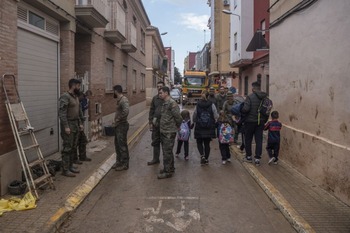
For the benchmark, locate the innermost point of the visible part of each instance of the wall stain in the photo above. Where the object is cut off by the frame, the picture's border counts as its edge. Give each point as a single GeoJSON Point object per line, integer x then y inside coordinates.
{"type": "Point", "coordinates": [343, 128]}
{"type": "Point", "coordinates": [318, 132]}
{"type": "Point", "coordinates": [331, 93]}
{"type": "Point", "coordinates": [293, 117]}
{"type": "Point", "coordinates": [300, 99]}
{"type": "Point", "coordinates": [316, 112]}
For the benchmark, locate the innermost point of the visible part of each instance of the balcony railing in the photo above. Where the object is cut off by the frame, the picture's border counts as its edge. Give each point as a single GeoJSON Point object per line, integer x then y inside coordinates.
{"type": "Point", "coordinates": [116, 28]}
{"type": "Point", "coordinates": [92, 12]}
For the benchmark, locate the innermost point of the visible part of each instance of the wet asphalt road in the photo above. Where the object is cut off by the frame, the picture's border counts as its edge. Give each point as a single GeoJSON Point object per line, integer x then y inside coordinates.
{"type": "Point", "coordinates": [214, 199]}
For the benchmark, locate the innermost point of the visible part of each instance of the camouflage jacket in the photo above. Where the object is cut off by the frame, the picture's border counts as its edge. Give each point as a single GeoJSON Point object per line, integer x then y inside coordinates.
{"type": "Point", "coordinates": [170, 119]}
{"type": "Point", "coordinates": [154, 111]}
{"type": "Point", "coordinates": [122, 110]}
{"type": "Point", "coordinates": [220, 101]}
{"type": "Point", "coordinates": [69, 109]}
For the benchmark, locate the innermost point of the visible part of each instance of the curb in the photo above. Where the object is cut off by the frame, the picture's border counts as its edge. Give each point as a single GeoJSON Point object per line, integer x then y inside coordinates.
{"type": "Point", "coordinates": [292, 216]}
{"type": "Point", "coordinates": [78, 195]}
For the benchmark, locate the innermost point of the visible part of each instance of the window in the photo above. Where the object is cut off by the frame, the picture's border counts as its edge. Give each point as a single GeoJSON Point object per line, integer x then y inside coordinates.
{"type": "Point", "coordinates": [268, 84]}
{"type": "Point", "coordinates": [121, 26]}
{"type": "Point", "coordinates": [143, 40]}
{"type": "Point", "coordinates": [263, 27]}
{"type": "Point", "coordinates": [124, 78]}
{"type": "Point", "coordinates": [154, 83]}
{"type": "Point", "coordinates": [258, 78]}
{"type": "Point", "coordinates": [134, 80]}
{"type": "Point", "coordinates": [109, 75]}
{"type": "Point", "coordinates": [143, 79]}
{"type": "Point", "coordinates": [246, 85]}
{"type": "Point", "coordinates": [235, 40]}
{"type": "Point", "coordinates": [133, 34]}
{"type": "Point", "coordinates": [36, 20]}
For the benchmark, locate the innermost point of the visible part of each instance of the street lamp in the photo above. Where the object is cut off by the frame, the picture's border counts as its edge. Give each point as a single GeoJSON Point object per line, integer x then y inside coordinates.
{"type": "Point", "coordinates": [230, 13]}
{"type": "Point", "coordinates": [164, 33]}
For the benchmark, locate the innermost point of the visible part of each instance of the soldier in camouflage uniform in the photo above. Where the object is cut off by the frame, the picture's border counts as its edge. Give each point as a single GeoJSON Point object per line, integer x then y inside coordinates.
{"type": "Point", "coordinates": [70, 115]}
{"type": "Point", "coordinates": [170, 122]}
{"type": "Point", "coordinates": [221, 98]}
{"type": "Point", "coordinates": [121, 129]}
{"type": "Point", "coordinates": [154, 118]}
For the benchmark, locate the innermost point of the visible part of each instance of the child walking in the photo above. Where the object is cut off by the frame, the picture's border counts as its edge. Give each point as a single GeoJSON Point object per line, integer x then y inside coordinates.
{"type": "Point", "coordinates": [225, 136]}
{"type": "Point", "coordinates": [273, 141]}
{"type": "Point", "coordinates": [184, 133]}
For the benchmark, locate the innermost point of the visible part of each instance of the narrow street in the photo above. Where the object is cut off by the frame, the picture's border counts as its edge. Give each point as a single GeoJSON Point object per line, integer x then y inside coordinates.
{"type": "Point", "coordinates": [214, 198]}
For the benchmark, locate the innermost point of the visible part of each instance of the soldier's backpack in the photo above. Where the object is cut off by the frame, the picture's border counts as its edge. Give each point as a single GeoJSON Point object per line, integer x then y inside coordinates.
{"type": "Point", "coordinates": [264, 109]}
{"type": "Point", "coordinates": [184, 132]}
{"type": "Point", "coordinates": [204, 117]}
{"type": "Point", "coordinates": [225, 133]}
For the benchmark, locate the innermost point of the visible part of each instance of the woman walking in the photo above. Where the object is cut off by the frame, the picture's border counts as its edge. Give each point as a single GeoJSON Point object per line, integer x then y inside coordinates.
{"type": "Point", "coordinates": [204, 117]}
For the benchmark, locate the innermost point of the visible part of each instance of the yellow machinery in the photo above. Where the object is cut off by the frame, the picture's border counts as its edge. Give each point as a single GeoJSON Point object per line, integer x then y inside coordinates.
{"type": "Point", "coordinates": [194, 83]}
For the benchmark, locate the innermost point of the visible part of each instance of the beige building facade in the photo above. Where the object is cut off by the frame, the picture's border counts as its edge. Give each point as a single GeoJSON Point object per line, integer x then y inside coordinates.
{"type": "Point", "coordinates": [219, 25]}
{"type": "Point", "coordinates": [309, 68]}
{"type": "Point", "coordinates": [156, 62]}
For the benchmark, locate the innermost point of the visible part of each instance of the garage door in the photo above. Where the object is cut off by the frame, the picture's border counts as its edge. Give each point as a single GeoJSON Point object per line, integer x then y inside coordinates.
{"type": "Point", "coordinates": [38, 86]}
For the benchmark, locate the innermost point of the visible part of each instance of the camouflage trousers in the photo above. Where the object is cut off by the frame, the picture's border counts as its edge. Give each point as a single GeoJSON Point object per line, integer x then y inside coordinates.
{"type": "Point", "coordinates": [69, 147]}
{"type": "Point", "coordinates": [168, 141]}
{"type": "Point", "coordinates": [81, 145]}
{"type": "Point", "coordinates": [156, 143]}
{"type": "Point", "coordinates": [121, 144]}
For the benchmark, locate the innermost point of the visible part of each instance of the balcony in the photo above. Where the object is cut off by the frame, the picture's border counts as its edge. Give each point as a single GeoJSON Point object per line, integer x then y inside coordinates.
{"type": "Point", "coordinates": [130, 46]}
{"type": "Point", "coordinates": [92, 12]}
{"type": "Point", "coordinates": [115, 30]}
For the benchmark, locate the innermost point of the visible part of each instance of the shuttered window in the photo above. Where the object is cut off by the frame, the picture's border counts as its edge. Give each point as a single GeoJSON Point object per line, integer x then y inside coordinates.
{"type": "Point", "coordinates": [109, 75]}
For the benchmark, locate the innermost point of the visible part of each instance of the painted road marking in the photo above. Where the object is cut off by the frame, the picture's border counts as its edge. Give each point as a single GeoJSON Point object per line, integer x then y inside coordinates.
{"type": "Point", "coordinates": [177, 220]}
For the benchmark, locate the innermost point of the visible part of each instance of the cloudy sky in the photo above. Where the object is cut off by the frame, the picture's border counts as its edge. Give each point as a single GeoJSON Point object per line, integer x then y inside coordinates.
{"type": "Point", "coordinates": [185, 22]}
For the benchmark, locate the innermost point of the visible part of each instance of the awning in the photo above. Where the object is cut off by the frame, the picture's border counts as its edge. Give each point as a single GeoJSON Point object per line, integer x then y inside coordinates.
{"type": "Point", "coordinates": [213, 73]}
{"type": "Point", "coordinates": [258, 43]}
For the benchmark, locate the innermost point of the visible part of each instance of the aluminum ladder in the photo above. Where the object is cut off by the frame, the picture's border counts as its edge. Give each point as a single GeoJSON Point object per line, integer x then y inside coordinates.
{"type": "Point", "coordinates": [18, 116]}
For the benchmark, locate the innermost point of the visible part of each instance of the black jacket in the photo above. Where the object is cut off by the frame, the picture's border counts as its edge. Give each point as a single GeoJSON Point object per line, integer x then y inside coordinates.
{"type": "Point", "coordinates": [200, 132]}
{"type": "Point", "coordinates": [251, 106]}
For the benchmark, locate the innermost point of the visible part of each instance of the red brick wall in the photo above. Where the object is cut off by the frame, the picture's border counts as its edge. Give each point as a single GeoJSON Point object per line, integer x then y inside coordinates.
{"type": "Point", "coordinates": [67, 52]}
{"type": "Point", "coordinates": [260, 13]}
{"type": "Point", "coordinates": [8, 64]}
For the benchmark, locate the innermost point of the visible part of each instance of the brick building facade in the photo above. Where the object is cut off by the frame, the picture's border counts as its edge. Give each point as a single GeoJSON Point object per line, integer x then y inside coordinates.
{"type": "Point", "coordinates": [102, 43]}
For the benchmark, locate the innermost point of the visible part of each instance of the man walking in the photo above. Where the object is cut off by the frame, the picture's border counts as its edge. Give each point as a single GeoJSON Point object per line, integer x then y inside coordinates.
{"type": "Point", "coordinates": [69, 114]}
{"type": "Point", "coordinates": [170, 122]}
{"type": "Point", "coordinates": [154, 119]}
{"type": "Point", "coordinates": [212, 96]}
{"type": "Point", "coordinates": [221, 98]}
{"type": "Point", "coordinates": [121, 129]}
{"type": "Point", "coordinates": [253, 125]}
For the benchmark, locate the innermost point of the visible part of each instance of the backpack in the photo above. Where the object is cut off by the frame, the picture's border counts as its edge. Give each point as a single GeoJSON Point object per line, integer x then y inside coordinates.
{"type": "Point", "coordinates": [184, 132]}
{"type": "Point", "coordinates": [225, 133]}
{"type": "Point", "coordinates": [264, 109]}
{"type": "Point", "coordinates": [236, 109]}
{"type": "Point", "coordinates": [204, 117]}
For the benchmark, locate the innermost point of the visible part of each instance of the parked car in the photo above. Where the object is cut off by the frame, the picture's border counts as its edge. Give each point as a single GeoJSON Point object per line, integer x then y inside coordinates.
{"type": "Point", "coordinates": [176, 95]}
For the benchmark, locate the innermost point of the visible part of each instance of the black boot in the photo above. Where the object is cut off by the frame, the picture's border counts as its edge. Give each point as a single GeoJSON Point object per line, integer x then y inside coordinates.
{"type": "Point", "coordinates": [67, 173]}
{"type": "Point", "coordinates": [74, 170]}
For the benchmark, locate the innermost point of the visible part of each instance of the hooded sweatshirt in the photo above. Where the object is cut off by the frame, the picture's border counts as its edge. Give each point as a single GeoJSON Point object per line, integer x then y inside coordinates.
{"type": "Point", "coordinates": [251, 106]}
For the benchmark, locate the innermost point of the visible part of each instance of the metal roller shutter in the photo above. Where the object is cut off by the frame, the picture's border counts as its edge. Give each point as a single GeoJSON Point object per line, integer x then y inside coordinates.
{"type": "Point", "coordinates": [38, 86]}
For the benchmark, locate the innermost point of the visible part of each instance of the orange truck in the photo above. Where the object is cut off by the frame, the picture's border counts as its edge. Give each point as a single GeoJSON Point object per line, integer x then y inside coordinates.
{"type": "Point", "coordinates": [193, 85]}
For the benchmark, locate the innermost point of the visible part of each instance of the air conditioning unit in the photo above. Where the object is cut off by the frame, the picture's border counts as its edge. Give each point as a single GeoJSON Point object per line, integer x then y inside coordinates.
{"type": "Point", "coordinates": [226, 2]}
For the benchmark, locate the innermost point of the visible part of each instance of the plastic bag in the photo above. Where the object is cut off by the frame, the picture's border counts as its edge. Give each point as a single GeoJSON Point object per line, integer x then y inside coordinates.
{"type": "Point", "coordinates": [28, 202]}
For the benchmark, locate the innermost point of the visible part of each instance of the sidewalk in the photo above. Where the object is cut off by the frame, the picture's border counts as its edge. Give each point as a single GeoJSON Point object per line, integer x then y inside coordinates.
{"type": "Point", "coordinates": [306, 206]}
{"type": "Point", "coordinates": [55, 206]}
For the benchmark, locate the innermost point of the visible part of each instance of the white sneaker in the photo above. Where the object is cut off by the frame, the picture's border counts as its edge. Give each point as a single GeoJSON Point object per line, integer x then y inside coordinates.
{"type": "Point", "coordinates": [223, 162]}
{"type": "Point", "coordinates": [272, 160]}
{"type": "Point", "coordinates": [228, 160]}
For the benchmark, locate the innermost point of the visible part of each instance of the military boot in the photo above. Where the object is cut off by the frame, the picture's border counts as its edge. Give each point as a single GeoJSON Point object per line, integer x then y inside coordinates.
{"type": "Point", "coordinates": [74, 170]}
{"type": "Point", "coordinates": [67, 173]}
